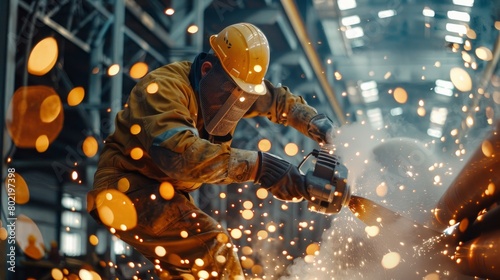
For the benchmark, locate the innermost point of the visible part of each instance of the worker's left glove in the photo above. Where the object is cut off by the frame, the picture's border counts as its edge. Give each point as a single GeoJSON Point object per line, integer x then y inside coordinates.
{"type": "Point", "coordinates": [321, 129]}
{"type": "Point", "coordinates": [281, 178]}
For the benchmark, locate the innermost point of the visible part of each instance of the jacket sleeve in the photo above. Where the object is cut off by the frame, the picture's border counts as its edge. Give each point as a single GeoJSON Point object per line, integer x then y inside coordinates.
{"type": "Point", "coordinates": [281, 106]}
{"type": "Point", "coordinates": [168, 118]}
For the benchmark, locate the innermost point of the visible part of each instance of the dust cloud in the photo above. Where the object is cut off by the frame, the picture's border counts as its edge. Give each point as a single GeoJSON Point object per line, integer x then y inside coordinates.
{"type": "Point", "coordinates": [400, 173]}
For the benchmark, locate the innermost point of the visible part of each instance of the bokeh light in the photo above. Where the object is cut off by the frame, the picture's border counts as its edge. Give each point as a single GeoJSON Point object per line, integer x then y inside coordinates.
{"type": "Point", "coordinates": [116, 210]}
{"type": "Point", "coordinates": [264, 145]}
{"type": "Point", "coordinates": [400, 95]}
{"type": "Point", "coordinates": [43, 56]}
{"type": "Point", "coordinates": [123, 184]}
{"type": "Point", "coordinates": [461, 79]}
{"type": "Point", "coordinates": [34, 111]}
{"type": "Point", "coordinates": [76, 96]}
{"type": "Point", "coordinates": [93, 240]}
{"type": "Point", "coordinates": [90, 146]}
{"type": "Point", "coordinates": [262, 193]}
{"type": "Point", "coordinates": [391, 260]}
{"type": "Point", "coordinates": [138, 70]}
{"type": "Point", "coordinates": [135, 129]}
{"type": "Point", "coordinates": [167, 190]}
{"type": "Point", "coordinates": [113, 69]}
{"type": "Point", "coordinates": [291, 149]}
{"type": "Point", "coordinates": [484, 53]}
{"type": "Point", "coordinates": [152, 88]}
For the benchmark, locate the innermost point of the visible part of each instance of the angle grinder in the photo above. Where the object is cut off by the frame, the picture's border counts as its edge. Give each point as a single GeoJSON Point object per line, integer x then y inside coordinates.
{"type": "Point", "coordinates": [327, 183]}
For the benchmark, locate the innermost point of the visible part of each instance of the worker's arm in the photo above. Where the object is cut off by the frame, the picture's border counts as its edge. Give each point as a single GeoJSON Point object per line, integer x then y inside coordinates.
{"type": "Point", "coordinates": [170, 136]}
{"type": "Point", "coordinates": [281, 106]}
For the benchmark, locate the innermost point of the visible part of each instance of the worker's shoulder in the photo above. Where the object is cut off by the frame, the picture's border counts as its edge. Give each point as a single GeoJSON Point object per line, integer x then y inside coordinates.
{"type": "Point", "coordinates": [173, 70]}
{"type": "Point", "coordinates": [175, 74]}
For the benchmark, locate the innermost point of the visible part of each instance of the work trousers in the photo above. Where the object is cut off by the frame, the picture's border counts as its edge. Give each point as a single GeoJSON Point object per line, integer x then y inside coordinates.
{"type": "Point", "coordinates": [179, 238]}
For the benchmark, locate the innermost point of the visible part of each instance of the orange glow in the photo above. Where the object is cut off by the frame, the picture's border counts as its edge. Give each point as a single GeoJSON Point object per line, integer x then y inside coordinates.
{"type": "Point", "coordinates": [123, 184]}
{"type": "Point", "coordinates": [76, 96]}
{"type": "Point", "coordinates": [391, 260]}
{"type": "Point", "coordinates": [247, 214]}
{"type": "Point", "coordinates": [152, 88]}
{"type": "Point", "coordinates": [264, 145]}
{"type": "Point", "coordinates": [42, 143]}
{"type": "Point", "coordinates": [135, 129]}
{"type": "Point", "coordinates": [247, 263]}
{"type": "Point", "coordinates": [90, 146]}
{"type": "Point", "coordinates": [93, 240]}
{"type": "Point", "coordinates": [50, 108]}
{"type": "Point", "coordinates": [160, 251]}
{"type": "Point", "coordinates": [312, 248]}
{"type": "Point", "coordinates": [291, 149]}
{"type": "Point", "coordinates": [236, 233]}
{"type": "Point", "coordinates": [56, 274]}
{"type": "Point", "coordinates": [167, 191]}
{"type": "Point", "coordinates": [262, 193]}
{"type": "Point", "coordinates": [116, 210]}
{"type": "Point", "coordinates": [136, 153]}
{"type": "Point", "coordinates": [487, 148]}
{"type": "Point", "coordinates": [461, 79]}
{"type": "Point", "coordinates": [138, 70]}
{"type": "Point", "coordinates": [34, 111]}
{"type": "Point", "coordinates": [400, 95]}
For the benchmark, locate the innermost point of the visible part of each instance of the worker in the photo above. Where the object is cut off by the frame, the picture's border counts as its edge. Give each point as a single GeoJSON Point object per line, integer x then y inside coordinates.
{"type": "Point", "coordinates": [182, 117]}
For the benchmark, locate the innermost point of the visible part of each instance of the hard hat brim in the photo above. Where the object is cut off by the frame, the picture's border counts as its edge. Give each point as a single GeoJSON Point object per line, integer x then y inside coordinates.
{"type": "Point", "coordinates": [257, 89]}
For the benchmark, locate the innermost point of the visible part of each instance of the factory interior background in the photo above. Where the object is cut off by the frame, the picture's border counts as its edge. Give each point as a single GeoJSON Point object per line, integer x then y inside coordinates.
{"type": "Point", "coordinates": [413, 85]}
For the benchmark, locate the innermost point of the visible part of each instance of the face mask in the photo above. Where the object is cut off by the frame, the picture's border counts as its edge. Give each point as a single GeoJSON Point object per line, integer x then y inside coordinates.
{"type": "Point", "coordinates": [223, 103]}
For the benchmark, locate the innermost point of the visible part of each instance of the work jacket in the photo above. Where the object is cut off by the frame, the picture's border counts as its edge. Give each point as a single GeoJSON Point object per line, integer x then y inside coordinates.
{"type": "Point", "coordinates": [159, 135]}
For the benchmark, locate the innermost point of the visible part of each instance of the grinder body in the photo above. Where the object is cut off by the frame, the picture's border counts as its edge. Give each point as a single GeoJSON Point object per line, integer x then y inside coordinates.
{"type": "Point", "coordinates": [327, 183]}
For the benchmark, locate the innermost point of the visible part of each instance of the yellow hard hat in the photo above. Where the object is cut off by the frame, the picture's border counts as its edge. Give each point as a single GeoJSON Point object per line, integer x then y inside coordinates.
{"type": "Point", "coordinates": [243, 51]}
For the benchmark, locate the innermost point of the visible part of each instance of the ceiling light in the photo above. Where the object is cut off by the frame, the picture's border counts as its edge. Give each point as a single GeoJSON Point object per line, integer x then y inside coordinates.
{"type": "Point", "coordinates": [351, 20]}
{"type": "Point", "coordinates": [370, 95]}
{"type": "Point", "coordinates": [355, 32]}
{"type": "Point", "coordinates": [443, 91]}
{"type": "Point", "coordinates": [444, 84]}
{"type": "Point", "coordinates": [386, 13]}
{"type": "Point", "coordinates": [438, 115]}
{"type": "Point", "coordinates": [396, 111]}
{"type": "Point", "coordinates": [169, 11]}
{"type": "Point", "coordinates": [435, 132]}
{"type": "Point", "coordinates": [457, 28]}
{"type": "Point", "coordinates": [467, 3]}
{"type": "Point", "coordinates": [375, 118]}
{"type": "Point", "coordinates": [454, 39]}
{"type": "Point", "coordinates": [456, 15]}
{"type": "Point", "coordinates": [346, 4]}
{"type": "Point", "coordinates": [428, 12]}
{"type": "Point", "coordinates": [368, 85]}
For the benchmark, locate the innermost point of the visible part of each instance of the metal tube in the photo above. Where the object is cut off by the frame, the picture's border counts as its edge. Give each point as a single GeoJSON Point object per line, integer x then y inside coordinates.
{"type": "Point", "coordinates": [475, 187]}
{"type": "Point", "coordinates": [479, 257]}
{"type": "Point", "coordinates": [298, 25]}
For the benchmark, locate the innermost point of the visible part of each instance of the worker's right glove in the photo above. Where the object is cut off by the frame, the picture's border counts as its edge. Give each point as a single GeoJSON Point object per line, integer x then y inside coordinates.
{"type": "Point", "coordinates": [321, 129]}
{"type": "Point", "coordinates": [281, 178]}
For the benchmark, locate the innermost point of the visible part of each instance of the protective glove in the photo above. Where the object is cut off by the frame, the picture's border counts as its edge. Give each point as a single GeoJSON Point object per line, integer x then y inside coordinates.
{"type": "Point", "coordinates": [281, 178]}
{"type": "Point", "coordinates": [321, 129]}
